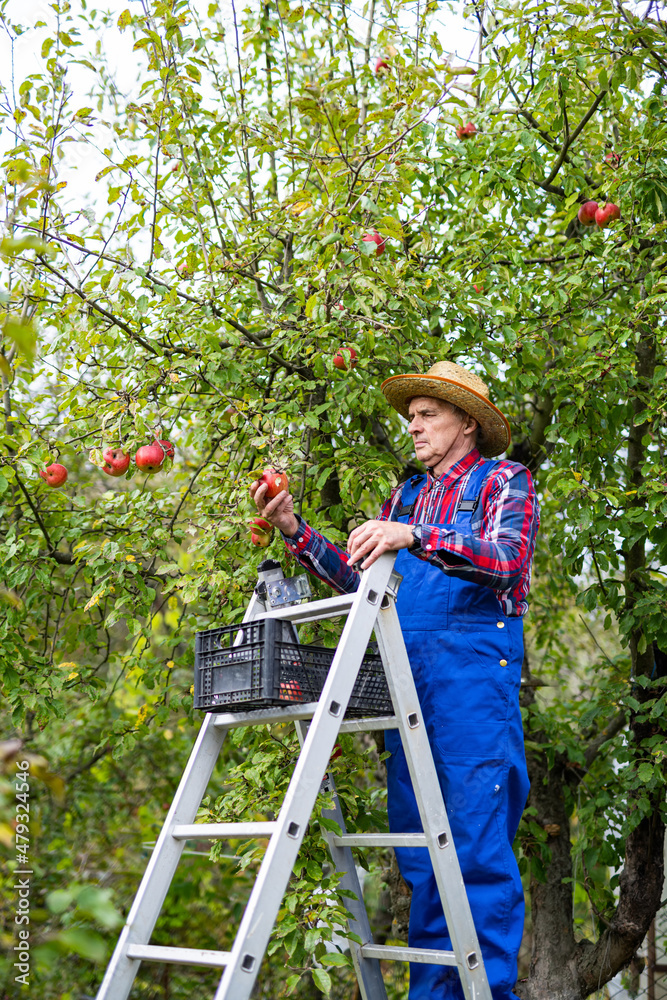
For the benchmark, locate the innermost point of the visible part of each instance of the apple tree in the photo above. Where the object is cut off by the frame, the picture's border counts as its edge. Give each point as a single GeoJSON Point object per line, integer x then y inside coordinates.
{"type": "Point", "coordinates": [186, 252]}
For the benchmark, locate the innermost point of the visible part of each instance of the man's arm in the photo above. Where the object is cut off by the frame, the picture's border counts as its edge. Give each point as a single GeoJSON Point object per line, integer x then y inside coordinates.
{"type": "Point", "coordinates": [312, 550]}
{"type": "Point", "coordinates": [495, 555]}
{"type": "Point", "coordinates": [322, 558]}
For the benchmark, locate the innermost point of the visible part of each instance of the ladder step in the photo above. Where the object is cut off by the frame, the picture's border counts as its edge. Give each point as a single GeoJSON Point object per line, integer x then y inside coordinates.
{"type": "Point", "coordinates": [425, 956]}
{"type": "Point", "coordinates": [380, 840]}
{"type": "Point", "coordinates": [291, 713]}
{"type": "Point", "coordinates": [314, 610]}
{"type": "Point", "coordinates": [279, 713]}
{"type": "Point", "coordinates": [215, 831]}
{"type": "Point", "coordinates": [369, 723]}
{"type": "Point", "coordinates": [179, 956]}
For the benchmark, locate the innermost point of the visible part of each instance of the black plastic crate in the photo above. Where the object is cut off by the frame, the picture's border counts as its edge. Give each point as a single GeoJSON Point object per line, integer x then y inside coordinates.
{"type": "Point", "coordinates": [259, 664]}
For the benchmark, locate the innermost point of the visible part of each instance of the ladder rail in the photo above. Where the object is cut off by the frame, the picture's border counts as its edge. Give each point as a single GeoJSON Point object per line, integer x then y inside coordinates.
{"type": "Point", "coordinates": [161, 868]}
{"type": "Point", "coordinates": [276, 867]}
{"type": "Point", "coordinates": [145, 910]}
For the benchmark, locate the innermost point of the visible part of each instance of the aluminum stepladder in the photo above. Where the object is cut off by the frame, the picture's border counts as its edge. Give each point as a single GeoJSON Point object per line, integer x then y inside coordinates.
{"type": "Point", "coordinates": [372, 607]}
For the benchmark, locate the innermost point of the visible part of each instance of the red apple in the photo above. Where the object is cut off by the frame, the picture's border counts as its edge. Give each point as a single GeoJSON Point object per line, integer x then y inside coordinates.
{"type": "Point", "coordinates": [466, 131]}
{"type": "Point", "coordinates": [605, 216]}
{"type": "Point", "coordinates": [54, 475]}
{"type": "Point", "coordinates": [260, 532]}
{"type": "Point", "coordinates": [276, 481]}
{"type": "Point", "coordinates": [345, 358]}
{"type": "Point", "coordinates": [479, 288]}
{"type": "Point", "coordinates": [168, 448]}
{"type": "Point", "coordinates": [290, 691]}
{"type": "Point", "coordinates": [613, 159]}
{"type": "Point", "coordinates": [339, 306]}
{"type": "Point", "coordinates": [381, 66]}
{"type": "Point", "coordinates": [184, 270]}
{"type": "Point", "coordinates": [150, 457]}
{"type": "Point", "coordinates": [586, 213]}
{"type": "Point", "coordinates": [116, 462]}
{"type": "Point", "coordinates": [374, 237]}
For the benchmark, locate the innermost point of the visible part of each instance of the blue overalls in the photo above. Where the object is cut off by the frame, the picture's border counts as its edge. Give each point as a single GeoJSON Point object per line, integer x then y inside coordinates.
{"type": "Point", "coordinates": [466, 658]}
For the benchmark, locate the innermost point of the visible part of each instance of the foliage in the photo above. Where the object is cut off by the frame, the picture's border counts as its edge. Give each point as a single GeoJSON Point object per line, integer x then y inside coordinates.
{"type": "Point", "coordinates": [197, 290]}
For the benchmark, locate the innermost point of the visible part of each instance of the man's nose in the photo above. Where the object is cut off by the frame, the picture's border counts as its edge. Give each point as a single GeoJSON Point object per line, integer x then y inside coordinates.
{"type": "Point", "coordinates": [414, 426]}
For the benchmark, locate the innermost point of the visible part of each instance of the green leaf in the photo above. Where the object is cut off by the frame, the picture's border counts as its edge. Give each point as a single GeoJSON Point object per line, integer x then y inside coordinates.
{"type": "Point", "coordinates": [88, 944]}
{"type": "Point", "coordinates": [322, 980]}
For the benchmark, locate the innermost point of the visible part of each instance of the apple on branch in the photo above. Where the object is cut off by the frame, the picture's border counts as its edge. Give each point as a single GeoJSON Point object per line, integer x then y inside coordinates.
{"type": "Point", "coordinates": [276, 481]}
{"type": "Point", "coordinates": [260, 532]}
{"type": "Point", "coordinates": [374, 237]}
{"type": "Point", "coordinates": [54, 475]}
{"type": "Point", "coordinates": [345, 358]}
{"type": "Point", "coordinates": [466, 131]}
{"type": "Point", "coordinates": [116, 462]}
{"type": "Point", "coordinates": [381, 66]}
{"type": "Point", "coordinates": [605, 216]}
{"type": "Point", "coordinates": [586, 213]}
{"type": "Point", "coordinates": [150, 457]}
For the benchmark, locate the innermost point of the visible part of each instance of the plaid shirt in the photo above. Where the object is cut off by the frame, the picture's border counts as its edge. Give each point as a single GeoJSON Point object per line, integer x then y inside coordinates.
{"type": "Point", "coordinates": [498, 552]}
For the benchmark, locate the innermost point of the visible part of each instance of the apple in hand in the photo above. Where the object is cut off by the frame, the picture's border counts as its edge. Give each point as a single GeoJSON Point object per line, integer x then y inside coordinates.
{"type": "Point", "coordinates": [466, 131]}
{"type": "Point", "coordinates": [605, 216]}
{"type": "Point", "coordinates": [54, 475]}
{"type": "Point", "coordinates": [116, 462]}
{"type": "Point", "coordinates": [345, 358]}
{"type": "Point", "coordinates": [586, 213]}
{"type": "Point", "coordinates": [290, 691]}
{"type": "Point", "coordinates": [276, 481]}
{"type": "Point", "coordinates": [374, 237]}
{"type": "Point", "coordinates": [381, 66]}
{"type": "Point", "coordinates": [150, 457]}
{"type": "Point", "coordinates": [260, 532]}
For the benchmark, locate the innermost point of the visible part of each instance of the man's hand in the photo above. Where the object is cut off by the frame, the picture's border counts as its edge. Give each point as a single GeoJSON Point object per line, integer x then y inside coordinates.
{"type": "Point", "coordinates": [372, 538]}
{"type": "Point", "coordinates": [279, 512]}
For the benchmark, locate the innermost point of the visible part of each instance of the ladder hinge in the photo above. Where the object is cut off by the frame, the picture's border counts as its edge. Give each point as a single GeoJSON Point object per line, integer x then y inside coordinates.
{"type": "Point", "coordinates": [395, 581]}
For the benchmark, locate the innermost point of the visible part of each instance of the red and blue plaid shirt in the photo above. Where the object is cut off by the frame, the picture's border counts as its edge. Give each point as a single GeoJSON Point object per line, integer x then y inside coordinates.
{"type": "Point", "coordinates": [498, 552]}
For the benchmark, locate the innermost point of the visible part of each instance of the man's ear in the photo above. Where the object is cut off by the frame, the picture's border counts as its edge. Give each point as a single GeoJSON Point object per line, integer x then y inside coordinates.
{"type": "Point", "coordinates": [470, 425]}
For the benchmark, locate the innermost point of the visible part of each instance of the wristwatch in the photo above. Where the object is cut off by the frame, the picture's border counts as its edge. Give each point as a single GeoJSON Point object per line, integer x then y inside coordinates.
{"type": "Point", "coordinates": [417, 535]}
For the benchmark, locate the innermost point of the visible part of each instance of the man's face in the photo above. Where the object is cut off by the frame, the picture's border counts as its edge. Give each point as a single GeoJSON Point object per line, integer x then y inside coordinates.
{"type": "Point", "coordinates": [438, 432]}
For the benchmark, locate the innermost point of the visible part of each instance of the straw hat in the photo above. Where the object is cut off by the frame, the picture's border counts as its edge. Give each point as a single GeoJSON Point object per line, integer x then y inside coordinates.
{"type": "Point", "coordinates": [454, 384]}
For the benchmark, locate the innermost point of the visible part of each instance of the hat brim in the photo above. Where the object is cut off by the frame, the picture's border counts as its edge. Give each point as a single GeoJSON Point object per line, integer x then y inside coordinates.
{"type": "Point", "coordinates": [496, 436]}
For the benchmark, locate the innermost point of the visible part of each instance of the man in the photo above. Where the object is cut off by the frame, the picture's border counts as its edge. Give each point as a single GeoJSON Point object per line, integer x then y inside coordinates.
{"type": "Point", "coordinates": [465, 537]}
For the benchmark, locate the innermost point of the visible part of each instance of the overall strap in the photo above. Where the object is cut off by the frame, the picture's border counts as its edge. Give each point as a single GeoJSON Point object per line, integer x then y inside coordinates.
{"type": "Point", "coordinates": [409, 493]}
{"type": "Point", "coordinates": [469, 501]}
